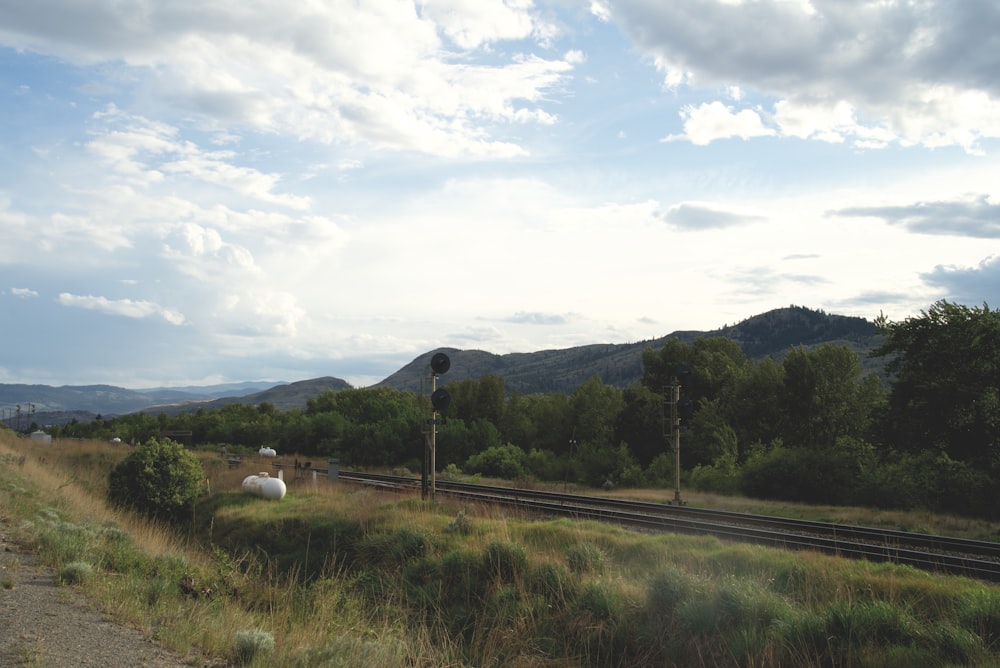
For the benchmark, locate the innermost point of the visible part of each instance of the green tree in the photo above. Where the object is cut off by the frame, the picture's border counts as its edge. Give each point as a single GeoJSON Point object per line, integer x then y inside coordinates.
{"type": "Point", "coordinates": [945, 395]}
{"type": "Point", "coordinates": [457, 441]}
{"type": "Point", "coordinates": [825, 396]}
{"type": "Point", "coordinates": [478, 398]}
{"type": "Point", "coordinates": [715, 363]}
{"type": "Point", "coordinates": [540, 421]}
{"type": "Point", "coordinates": [753, 407]}
{"type": "Point", "coordinates": [641, 423]}
{"type": "Point", "coordinates": [159, 478]}
{"type": "Point", "coordinates": [594, 409]}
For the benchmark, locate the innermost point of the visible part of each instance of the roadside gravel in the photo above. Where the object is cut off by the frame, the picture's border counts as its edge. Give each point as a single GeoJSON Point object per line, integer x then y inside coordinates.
{"type": "Point", "coordinates": [47, 625]}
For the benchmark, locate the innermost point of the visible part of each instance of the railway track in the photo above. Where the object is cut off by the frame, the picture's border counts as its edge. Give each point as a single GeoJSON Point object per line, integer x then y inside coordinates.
{"type": "Point", "coordinates": [940, 554]}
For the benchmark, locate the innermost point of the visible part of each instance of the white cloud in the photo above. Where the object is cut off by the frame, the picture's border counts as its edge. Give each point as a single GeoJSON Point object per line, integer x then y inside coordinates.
{"type": "Point", "coordinates": [145, 152]}
{"type": "Point", "coordinates": [473, 23]}
{"type": "Point", "coordinates": [121, 307]}
{"type": "Point", "coordinates": [339, 72]}
{"type": "Point", "coordinates": [601, 10]}
{"type": "Point", "coordinates": [709, 122]}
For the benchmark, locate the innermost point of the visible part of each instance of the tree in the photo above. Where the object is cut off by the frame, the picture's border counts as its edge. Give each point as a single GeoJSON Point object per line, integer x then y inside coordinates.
{"type": "Point", "coordinates": [594, 409]}
{"type": "Point", "coordinates": [641, 423]}
{"type": "Point", "coordinates": [824, 396]}
{"type": "Point", "coordinates": [457, 441]}
{"type": "Point", "coordinates": [159, 478]}
{"type": "Point", "coordinates": [946, 392]}
{"type": "Point", "coordinates": [540, 421]}
{"type": "Point", "coordinates": [753, 406]}
{"type": "Point", "coordinates": [475, 398]}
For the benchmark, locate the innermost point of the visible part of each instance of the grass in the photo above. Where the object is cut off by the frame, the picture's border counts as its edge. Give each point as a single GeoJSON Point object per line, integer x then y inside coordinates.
{"type": "Point", "coordinates": [335, 572]}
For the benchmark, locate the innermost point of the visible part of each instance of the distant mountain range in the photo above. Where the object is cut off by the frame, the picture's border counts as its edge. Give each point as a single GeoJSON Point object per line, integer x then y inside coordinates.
{"type": "Point", "coordinates": [770, 334]}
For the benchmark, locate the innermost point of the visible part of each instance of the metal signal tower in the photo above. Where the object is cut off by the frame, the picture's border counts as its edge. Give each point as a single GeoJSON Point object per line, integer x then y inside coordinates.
{"type": "Point", "coordinates": [679, 411]}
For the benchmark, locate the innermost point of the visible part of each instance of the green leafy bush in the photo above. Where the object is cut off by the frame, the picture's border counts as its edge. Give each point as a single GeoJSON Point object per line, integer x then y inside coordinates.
{"type": "Point", "coordinates": [503, 461]}
{"type": "Point", "coordinates": [159, 479]}
{"type": "Point", "coordinates": [802, 474]}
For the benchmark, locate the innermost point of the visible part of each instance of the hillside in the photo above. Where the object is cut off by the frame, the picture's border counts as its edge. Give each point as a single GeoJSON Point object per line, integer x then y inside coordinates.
{"type": "Point", "coordinates": [283, 397]}
{"type": "Point", "coordinates": [770, 334]}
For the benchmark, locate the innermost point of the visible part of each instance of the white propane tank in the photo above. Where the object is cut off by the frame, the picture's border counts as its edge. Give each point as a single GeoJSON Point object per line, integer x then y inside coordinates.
{"type": "Point", "coordinates": [267, 452]}
{"type": "Point", "coordinates": [264, 486]}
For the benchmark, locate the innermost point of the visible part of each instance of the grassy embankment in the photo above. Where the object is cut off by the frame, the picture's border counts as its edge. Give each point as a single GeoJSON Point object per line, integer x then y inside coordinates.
{"type": "Point", "coordinates": [339, 575]}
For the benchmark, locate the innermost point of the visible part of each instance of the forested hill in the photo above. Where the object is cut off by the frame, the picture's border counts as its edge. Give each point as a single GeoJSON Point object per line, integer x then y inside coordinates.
{"type": "Point", "coordinates": [770, 334]}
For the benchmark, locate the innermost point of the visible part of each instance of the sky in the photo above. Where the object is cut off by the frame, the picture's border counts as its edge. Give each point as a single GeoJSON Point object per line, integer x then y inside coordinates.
{"type": "Point", "coordinates": [211, 191]}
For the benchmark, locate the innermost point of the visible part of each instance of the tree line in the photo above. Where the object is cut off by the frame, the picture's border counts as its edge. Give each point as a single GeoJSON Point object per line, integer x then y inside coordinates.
{"type": "Point", "coordinates": [813, 426]}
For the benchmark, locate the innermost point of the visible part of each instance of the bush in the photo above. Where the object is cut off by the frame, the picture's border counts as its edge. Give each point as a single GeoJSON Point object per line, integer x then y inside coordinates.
{"type": "Point", "coordinates": [717, 479]}
{"type": "Point", "coordinates": [928, 480]}
{"type": "Point", "coordinates": [252, 644]}
{"type": "Point", "coordinates": [803, 474]}
{"type": "Point", "coordinates": [159, 479]}
{"type": "Point", "coordinates": [75, 572]}
{"type": "Point", "coordinates": [601, 465]}
{"type": "Point", "coordinates": [499, 461]}
{"type": "Point", "coordinates": [545, 465]}
{"type": "Point", "coordinates": [585, 558]}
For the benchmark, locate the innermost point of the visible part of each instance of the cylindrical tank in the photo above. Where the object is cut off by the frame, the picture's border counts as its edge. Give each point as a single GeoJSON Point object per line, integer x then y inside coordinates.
{"type": "Point", "coordinates": [267, 452]}
{"type": "Point", "coordinates": [264, 486]}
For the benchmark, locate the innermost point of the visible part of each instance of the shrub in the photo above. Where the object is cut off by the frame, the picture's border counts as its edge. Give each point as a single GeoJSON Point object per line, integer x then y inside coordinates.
{"type": "Point", "coordinates": [75, 572]}
{"type": "Point", "coordinates": [668, 590]}
{"type": "Point", "coordinates": [802, 474]}
{"type": "Point", "coordinates": [460, 525]}
{"type": "Point", "coordinates": [159, 479]}
{"type": "Point", "coordinates": [553, 582]}
{"type": "Point", "coordinates": [499, 461]}
{"type": "Point", "coordinates": [602, 464]}
{"type": "Point", "coordinates": [545, 465]}
{"type": "Point", "coordinates": [714, 478]}
{"type": "Point", "coordinates": [660, 472]}
{"type": "Point", "coordinates": [506, 561]}
{"type": "Point", "coordinates": [585, 558]}
{"type": "Point", "coordinates": [252, 644]}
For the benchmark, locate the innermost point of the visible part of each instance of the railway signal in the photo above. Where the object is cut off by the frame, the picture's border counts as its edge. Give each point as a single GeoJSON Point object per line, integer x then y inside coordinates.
{"type": "Point", "coordinates": [440, 399]}
{"type": "Point", "coordinates": [681, 411]}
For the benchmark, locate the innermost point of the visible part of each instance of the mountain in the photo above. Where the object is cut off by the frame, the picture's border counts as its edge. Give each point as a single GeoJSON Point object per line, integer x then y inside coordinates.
{"type": "Point", "coordinates": [219, 391]}
{"type": "Point", "coordinates": [283, 397]}
{"type": "Point", "coordinates": [45, 404]}
{"type": "Point", "coordinates": [770, 334]}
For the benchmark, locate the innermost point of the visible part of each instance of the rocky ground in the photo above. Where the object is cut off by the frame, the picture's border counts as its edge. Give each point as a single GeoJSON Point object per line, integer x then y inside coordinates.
{"type": "Point", "coordinates": [47, 625]}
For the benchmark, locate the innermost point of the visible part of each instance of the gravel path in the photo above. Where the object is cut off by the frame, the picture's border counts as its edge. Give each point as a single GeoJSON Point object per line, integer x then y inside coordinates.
{"type": "Point", "coordinates": [45, 625]}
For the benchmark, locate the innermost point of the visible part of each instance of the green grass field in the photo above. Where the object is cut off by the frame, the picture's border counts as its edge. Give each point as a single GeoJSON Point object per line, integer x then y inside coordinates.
{"type": "Point", "coordinates": [339, 575]}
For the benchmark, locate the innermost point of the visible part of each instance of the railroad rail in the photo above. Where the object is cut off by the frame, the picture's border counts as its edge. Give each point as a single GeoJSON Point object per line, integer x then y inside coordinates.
{"type": "Point", "coordinates": [941, 554]}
